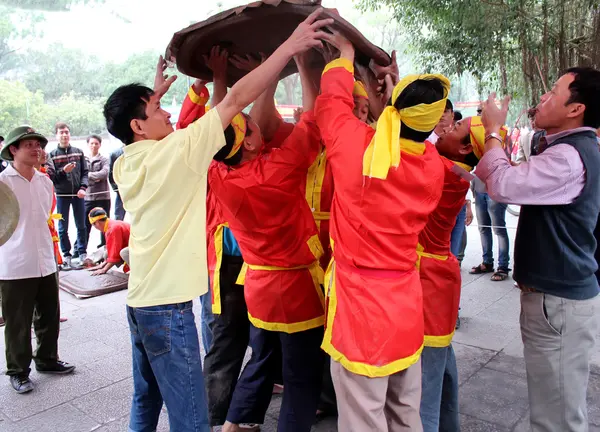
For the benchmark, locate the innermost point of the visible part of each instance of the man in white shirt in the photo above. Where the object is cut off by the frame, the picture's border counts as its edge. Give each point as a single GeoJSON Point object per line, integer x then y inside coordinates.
{"type": "Point", "coordinates": [28, 279]}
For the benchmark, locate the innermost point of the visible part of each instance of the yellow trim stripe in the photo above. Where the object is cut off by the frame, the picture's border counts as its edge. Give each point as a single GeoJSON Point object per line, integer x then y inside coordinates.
{"type": "Point", "coordinates": [196, 98]}
{"type": "Point", "coordinates": [438, 341]}
{"type": "Point", "coordinates": [314, 187]}
{"type": "Point", "coordinates": [288, 328]}
{"type": "Point", "coordinates": [357, 367]}
{"type": "Point", "coordinates": [422, 254]}
{"type": "Point", "coordinates": [340, 63]}
{"type": "Point", "coordinates": [218, 239]}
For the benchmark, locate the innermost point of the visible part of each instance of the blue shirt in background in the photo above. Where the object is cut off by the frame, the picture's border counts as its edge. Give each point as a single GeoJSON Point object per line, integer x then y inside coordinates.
{"type": "Point", "coordinates": [230, 245]}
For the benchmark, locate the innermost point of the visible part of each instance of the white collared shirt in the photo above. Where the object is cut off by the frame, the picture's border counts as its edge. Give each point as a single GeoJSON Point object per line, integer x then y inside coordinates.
{"type": "Point", "coordinates": [29, 253]}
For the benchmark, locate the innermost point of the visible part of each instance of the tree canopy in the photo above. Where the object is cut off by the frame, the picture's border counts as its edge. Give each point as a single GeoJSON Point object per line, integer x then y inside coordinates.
{"type": "Point", "coordinates": [516, 46]}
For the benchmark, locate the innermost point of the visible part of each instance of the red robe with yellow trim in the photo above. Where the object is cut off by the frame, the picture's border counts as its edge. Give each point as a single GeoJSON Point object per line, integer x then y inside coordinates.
{"type": "Point", "coordinates": [263, 202]}
{"type": "Point", "coordinates": [194, 107]}
{"type": "Point", "coordinates": [318, 189]}
{"type": "Point", "coordinates": [375, 316]}
{"type": "Point", "coordinates": [438, 268]}
{"type": "Point", "coordinates": [319, 195]}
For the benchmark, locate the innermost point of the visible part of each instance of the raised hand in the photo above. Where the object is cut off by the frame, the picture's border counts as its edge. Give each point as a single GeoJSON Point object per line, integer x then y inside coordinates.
{"type": "Point", "coordinates": [339, 41]}
{"type": "Point", "coordinates": [162, 81]}
{"type": "Point", "coordinates": [308, 34]}
{"type": "Point", "coordinates": [247, 63]}
{"type": "Point", "coordinates": [391, 69]}
{"type": "Point", "coordinates": [217, 61]}
{"type": "Point", "coordinates": [493, 118]}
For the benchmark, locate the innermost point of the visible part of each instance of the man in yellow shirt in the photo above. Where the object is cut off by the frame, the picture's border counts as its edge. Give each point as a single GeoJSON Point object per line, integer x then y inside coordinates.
{"type": "Point", "coordinates": [162, 181]}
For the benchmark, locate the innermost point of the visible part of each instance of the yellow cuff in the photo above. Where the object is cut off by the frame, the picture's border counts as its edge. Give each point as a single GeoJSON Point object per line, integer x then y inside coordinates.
{"type": "Point", "coordinates": [197, 99]}
{"type": "Point", "coordinates": [340, 63]}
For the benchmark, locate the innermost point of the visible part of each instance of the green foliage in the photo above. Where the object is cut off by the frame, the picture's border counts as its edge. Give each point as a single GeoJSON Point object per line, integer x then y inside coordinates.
{"type": "Point", "coordinates": [20, 106]}
{"type": "Point", "coordinates": [47, 5]}
{"type": "Point", "coordinates": [500, 42]}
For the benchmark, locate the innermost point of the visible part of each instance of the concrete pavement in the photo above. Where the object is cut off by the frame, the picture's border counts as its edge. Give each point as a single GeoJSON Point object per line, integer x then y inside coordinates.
{"type": "Point", "coordinates": [97, 397]}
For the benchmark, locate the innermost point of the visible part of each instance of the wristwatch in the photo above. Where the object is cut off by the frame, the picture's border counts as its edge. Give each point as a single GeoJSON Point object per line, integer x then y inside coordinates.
{"type": "Point", "coordinates": [495, 136]}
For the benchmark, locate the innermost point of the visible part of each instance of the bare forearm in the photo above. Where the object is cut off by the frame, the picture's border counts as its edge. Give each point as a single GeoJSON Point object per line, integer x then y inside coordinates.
{"type": "Point", "coordinates": [309, 89]}
{"type": "Point", "coordinates": [252, 85]}
{"type": "Point", "coordinates": [219, 89]}
{"type": "Point", "coordinates": [264, 112]}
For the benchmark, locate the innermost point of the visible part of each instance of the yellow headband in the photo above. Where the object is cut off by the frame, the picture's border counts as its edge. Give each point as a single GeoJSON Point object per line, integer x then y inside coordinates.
{"type": "Point", "coordinates": [240, 126]}
{"type": "Point", "coordinates": [360, 90]}
{"type": "Point", "coordinates": [477, 134]}
{"type": "Point", "coordinates": [97, 218]}
{"type": "Point", "coordinates": [384, 150]}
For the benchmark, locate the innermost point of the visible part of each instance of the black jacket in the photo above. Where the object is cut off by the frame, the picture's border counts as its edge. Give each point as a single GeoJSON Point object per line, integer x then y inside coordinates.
{"type": "Point", "coordinates": [113, 158]}
{"type": "Point", "coordinates": [67, 183]}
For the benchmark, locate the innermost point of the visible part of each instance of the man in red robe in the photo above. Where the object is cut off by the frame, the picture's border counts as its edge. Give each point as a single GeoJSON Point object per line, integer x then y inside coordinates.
{"type": "Point", "coordinates": [387, 182]}
{"type": "Point", "coordinates": [117, 238]}
{"type": "Point", "coordinates": [460, 147]}
{"type": "Point", "coordinates": [260, 193]}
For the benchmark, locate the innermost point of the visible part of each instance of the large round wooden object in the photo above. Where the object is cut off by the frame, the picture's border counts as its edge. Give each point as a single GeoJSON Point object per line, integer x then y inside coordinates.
{"type": "Point", "coordinates": [261, 26]}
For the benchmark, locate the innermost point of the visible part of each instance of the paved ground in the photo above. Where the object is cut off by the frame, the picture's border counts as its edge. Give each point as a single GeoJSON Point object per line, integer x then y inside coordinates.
{"type": "Point", "coordinates": [97, 396]}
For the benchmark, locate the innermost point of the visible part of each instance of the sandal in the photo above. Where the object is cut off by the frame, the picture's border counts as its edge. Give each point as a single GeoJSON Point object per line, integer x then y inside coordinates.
{"type": "Point", "coordinates": [500, 275]}
{"type": "Point", "coordinates": [482, 268]}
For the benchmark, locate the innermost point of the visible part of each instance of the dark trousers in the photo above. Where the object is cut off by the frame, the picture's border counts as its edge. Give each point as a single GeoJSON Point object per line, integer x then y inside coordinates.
{"type": "Point", "coordinates": [89, 205]}
{"type": "Point", "coordinates": [230, 333]}
{"type": "Point", "coordinates": [119, 209]}
{"type": "Point", "coordinates": [25, 301]}
{"type": "Point", "coordinates": [63, 206]}
{"type": "Point", "coordinates": [328, 400]}
{"type": "Point", "coordinates": [302, 375]}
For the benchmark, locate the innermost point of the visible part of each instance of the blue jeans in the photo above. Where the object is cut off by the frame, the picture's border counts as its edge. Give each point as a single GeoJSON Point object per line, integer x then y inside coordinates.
{"type": "Point", "coordinates": [439, 396]}
{"type": "Point", "coordinates": [207, 318]}
{"type": "Point", "coordinates": [119, 210]}
{"type": "Point", "coordinates": [491, 213]}
{"type": "Point", "coordinates": [166, 367]}
{"type": "Point", "coordinates": [63, 206]}
{"type": "Point", "coordinates": [457, 232]}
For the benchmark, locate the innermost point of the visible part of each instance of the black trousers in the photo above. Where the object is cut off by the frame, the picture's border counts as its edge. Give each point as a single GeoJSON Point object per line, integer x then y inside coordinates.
{"type": "Point", "coordinates": [223, 362]}
{"type": "Point", "coordinates": [25, 301]}
{"type": "Point", "coordinates": [302, 361]}
{"type": "Point", "coordinates": [89, 205]}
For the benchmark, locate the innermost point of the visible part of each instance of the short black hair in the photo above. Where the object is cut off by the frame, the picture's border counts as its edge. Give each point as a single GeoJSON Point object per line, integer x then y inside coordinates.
{"type": "Point", "coordinates": [94, 136]}
{"type": "Point", "coordinates": [457, 116]}
{"type": "Point", "coordinates": [229, 141]}
{"type": "Point", "coordinates": [449, 106]}
{"type": "Point", "coordinates": [421, 91]}
{"type": "Point", "coordinates": [61, 125]}
{"type": "Point", "coordinates": [585, 89]}
{"type": "Point", "coordinates": [126, 103]}
{"type": "Point", "coordinates": [97, 211]}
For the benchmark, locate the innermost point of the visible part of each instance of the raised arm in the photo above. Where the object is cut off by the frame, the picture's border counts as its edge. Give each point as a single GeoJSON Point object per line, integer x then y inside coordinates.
{"type": "Point", "coordinates": [217, 63]}
{"type": "Point", "coordinates": [194, 104]}
{"type": "Point", "coordinates": [310, 85]}
{"type": "Point", "coordinates": [335, 105]}
{"type": "Point", "coordinates": [306, 36]}
{"type": "Point", "coordinates": [263, 112]}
